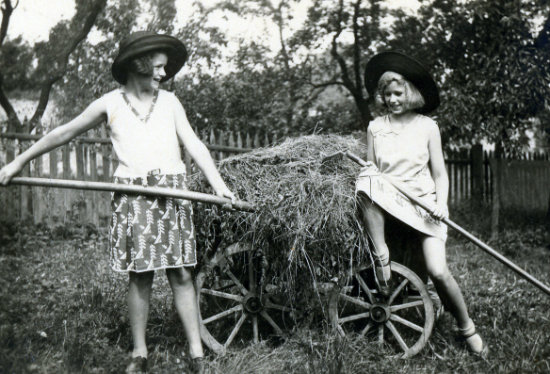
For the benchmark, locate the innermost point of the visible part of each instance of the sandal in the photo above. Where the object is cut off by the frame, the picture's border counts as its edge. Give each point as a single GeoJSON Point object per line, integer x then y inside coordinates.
{"type": "Point", "coordinates": [473, 344]}
{"type": "Point", "coordinates": [137, 365]}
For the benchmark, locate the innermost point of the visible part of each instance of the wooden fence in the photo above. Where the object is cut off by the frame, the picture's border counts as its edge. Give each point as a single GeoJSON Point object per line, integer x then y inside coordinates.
{"type": "Point", "coordinates": [90, 159]}
{"type": "Point", "coordinates": [471, 175]}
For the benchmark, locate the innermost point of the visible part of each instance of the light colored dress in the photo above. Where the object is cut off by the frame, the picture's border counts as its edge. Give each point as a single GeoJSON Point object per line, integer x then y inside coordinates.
{"type": "Point", "coordinates": [403, 155]}
{"type": "Point", "coordinates": [146, 232]}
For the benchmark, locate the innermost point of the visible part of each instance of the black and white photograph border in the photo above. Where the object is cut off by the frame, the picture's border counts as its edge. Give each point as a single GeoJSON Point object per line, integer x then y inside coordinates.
{"type": "Point", "coordinates": [345, 186]}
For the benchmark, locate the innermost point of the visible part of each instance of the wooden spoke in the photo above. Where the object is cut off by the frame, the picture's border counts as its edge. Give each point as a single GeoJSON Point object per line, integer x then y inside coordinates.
{"type": "Point", "coordinates": [380, 334]}
{"type": "Point", "coordinates": [356, 301]}
{"type": "Point", "coordinates": [412, 304]}
{"type": "Point", "coordinates": [340, 330]}
{"type": "Point", "coordinates": [222, 294]}
{"type": "Point", "coordinates": [235, 330]}
{"type": "Point", "coordinates": [364, 287]}
{"type": "Point", "coordinates": [354, 317]}
{"type": "Point", "coordinates": [271, 305]}
{"type": "Point", "coordinates": [366, 329]}
{"type": "Point", "coordinates": [229, 273]}
{"type": "Point", "coordinates": [276, 327]}
{"type": "Point", "coordinates": [397, 291]}
{"type": "Point", "coordinates": [397, 336]}
{"type": "Point", "coordinates": [251, 274]}
{"type": "Point", "coordinates": [255, 333]}
{"type": "Point", "coordinates": [225, 313]}
{"type": "Point", "coordinates": [403, 321]}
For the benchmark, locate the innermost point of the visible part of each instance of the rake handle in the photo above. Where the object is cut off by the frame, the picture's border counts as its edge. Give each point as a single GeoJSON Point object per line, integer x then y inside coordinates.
{"type": "Point", "coordinates": [133, 189]}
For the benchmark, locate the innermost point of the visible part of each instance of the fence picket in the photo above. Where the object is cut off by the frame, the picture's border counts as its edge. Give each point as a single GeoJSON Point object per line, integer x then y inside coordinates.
{"type": "Point", "coordinates": [53, 164]}
{"type": "Point", "coordinates": [79, 150]}
{"type": "Point", "coordinates": [66, 154]}
{"type": "Point", "coordinates": [239, 140]}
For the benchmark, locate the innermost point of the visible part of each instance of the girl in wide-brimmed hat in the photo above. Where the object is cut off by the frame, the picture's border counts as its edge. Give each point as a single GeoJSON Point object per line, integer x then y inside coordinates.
{"type": "Point", "coordinates": [404, 145]}
{"type": "Point", "coordinates": [145, 124]}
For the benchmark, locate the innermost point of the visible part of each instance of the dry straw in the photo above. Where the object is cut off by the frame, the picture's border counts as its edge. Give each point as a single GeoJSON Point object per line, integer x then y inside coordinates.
{"type": "Point", "coordinates": [305, 224]}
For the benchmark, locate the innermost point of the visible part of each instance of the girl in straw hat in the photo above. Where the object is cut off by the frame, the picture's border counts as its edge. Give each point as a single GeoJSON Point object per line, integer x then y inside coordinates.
{"type": "Point", "coordinates": [146, 125]}
{"type": "Point", "coordinates": [404, 145]}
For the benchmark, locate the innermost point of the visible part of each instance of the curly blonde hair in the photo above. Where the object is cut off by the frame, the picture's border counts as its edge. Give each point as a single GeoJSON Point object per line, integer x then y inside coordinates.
{"type": "Point", "coordinates": [413, 97]}
{"type": "Point", "coordinates": [142, 65]}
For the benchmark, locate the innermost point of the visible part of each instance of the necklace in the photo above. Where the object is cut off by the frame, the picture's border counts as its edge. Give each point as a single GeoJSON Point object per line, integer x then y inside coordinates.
{"type": "Point", "coordinates": [145, 118]}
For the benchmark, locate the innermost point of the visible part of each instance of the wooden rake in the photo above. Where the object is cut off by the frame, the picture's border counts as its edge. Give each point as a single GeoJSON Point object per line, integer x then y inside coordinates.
{"type": "Point", "coordinates": [428, 207]}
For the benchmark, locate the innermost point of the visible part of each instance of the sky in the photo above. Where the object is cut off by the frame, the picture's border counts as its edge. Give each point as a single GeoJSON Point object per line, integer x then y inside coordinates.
{"type": "Point", "coordinates": [33, 19]}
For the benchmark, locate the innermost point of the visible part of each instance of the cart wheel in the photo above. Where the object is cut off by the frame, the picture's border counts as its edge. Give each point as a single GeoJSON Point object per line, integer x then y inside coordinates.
{"type": "Point", "coordinates": [403, 321]}
{"type": "Point", "coordinates": [235, 309]}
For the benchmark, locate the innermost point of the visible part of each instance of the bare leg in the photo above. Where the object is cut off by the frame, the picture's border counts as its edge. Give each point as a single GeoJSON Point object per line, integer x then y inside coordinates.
{"type": "Point", "coordinates": [181, 281]}
{"type": "Point", "coordinates": [139, 293]}
{"type": "Point", "coordinates": [374, 220]}
{"type": "Point", "coordinates": [447, 288]}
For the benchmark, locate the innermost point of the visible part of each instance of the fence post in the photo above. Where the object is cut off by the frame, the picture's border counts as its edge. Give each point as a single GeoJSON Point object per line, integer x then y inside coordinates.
{"type": "Point", "coordinates": [476, 154]}
{"type": "Point", "coordinates": [496, 170]}
{"type": "Point", "coordinates": [12, 191]}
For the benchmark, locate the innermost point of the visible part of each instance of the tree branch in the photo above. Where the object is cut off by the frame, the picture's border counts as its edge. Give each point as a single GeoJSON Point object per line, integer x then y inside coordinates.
{"type": "Point", "coordinates": [47, 85]}
{"type": "Point", "coordinates": [14, 124]}
{"type": "Point", "coordinates": [346, 81]}
{"type": "Point", "coordinates": [7, 10]}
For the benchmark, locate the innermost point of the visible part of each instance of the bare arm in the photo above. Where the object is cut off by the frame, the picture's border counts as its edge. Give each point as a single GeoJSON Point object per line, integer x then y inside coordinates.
{"type": "Point", "coordinates": [199, 153]}
{"type": "Point", "coordinates": [93, 115]}
{"type": "Point", "coordinates": [370, 145]}
{"type": "Point", "coordinates": [439, 173]}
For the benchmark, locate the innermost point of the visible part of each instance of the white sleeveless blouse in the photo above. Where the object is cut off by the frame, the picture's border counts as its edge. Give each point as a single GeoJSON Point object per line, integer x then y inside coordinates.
{"type": "Point", "coordinates": [403, 154]}
{"type": "Point", "coordinates": [142, 147]}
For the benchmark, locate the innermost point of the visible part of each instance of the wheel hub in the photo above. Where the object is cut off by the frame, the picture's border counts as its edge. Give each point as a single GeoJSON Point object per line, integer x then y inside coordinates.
{"type": "Point", "coordinates": [379, 313]}
{"type": "Point", "coordinates": [253, 303]}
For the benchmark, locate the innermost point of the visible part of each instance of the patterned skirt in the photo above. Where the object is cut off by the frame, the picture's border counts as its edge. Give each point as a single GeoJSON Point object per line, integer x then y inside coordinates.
{"type": "Point", "coordinates": [150, 233]}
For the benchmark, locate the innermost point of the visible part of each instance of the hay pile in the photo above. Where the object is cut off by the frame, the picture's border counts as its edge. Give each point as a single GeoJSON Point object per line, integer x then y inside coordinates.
{"type": "Point", "coordinates": [306, 222]}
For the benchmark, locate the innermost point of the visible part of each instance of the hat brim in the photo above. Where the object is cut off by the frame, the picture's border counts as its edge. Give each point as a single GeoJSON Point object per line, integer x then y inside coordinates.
{"type": "Point", "coordinates": [409, 68]}
{"type": "Point", "coordinates": [173, 47]}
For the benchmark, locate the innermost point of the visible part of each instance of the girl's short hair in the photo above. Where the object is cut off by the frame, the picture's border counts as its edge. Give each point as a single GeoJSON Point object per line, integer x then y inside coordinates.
{"type": "Point", "coordinates": [413, 97]}
{"type": "Point", "coordinates": [142, 65]}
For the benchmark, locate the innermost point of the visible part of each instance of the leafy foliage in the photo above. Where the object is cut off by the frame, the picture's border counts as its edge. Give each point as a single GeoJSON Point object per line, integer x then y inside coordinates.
{"type": "Point", "coordinates": [493, 76]}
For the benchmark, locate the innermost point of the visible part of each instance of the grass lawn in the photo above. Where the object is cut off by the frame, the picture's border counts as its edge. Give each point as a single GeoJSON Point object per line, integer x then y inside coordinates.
{"type": "Point", "coordinates": [63, 310]}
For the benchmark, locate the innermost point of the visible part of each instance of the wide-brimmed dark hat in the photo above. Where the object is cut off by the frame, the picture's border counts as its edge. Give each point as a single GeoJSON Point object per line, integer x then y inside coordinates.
{"type": "Point", "coordinates": [408, 67]}
{"type": "Point", "coordinates": [143, 42]}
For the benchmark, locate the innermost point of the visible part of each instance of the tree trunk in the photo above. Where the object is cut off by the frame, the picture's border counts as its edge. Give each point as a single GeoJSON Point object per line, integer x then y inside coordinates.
{"type": "Point", "coordinates": [14, 124]}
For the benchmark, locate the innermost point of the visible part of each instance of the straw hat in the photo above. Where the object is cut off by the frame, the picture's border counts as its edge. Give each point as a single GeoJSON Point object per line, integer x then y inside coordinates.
{"type": "Point", "coordinates": [142, 42]}
{"type": "Point", "coordinates": [409, 68]}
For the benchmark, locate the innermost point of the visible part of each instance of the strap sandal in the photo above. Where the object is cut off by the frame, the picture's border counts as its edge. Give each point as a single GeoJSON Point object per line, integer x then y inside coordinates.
{"type": "Point", "coordinates": [137, 365]}
{"type": "Point", "coordinates": [467, 334]}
